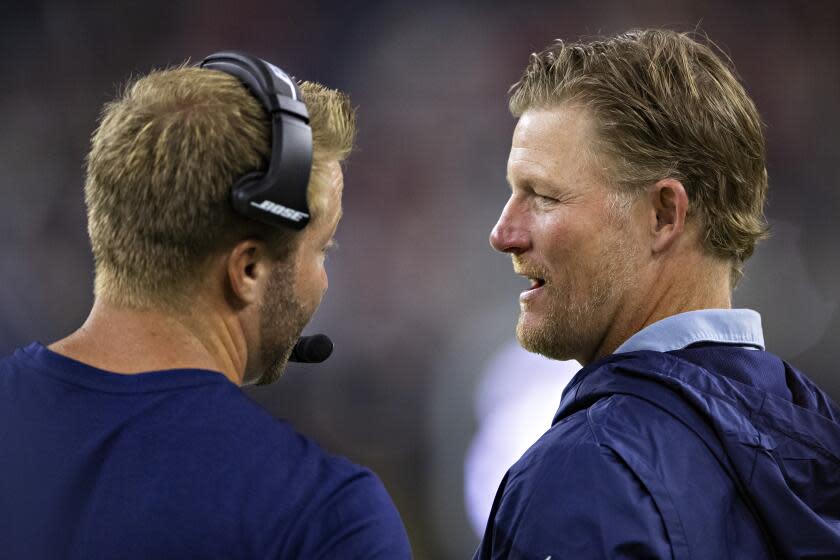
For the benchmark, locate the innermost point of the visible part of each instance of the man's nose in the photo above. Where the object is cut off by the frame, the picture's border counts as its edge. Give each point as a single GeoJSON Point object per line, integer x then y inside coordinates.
{"type": "Point", "coordinates": [509, 235]}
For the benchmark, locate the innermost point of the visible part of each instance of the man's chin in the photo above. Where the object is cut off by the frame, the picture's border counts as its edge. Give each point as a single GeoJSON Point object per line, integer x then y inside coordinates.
{"type": "Point", "coordinates": [273, 373]}
{"type": "Point", "coordinates": [274, 370]}
{"type": "Point", "coordinates": [540, 339]}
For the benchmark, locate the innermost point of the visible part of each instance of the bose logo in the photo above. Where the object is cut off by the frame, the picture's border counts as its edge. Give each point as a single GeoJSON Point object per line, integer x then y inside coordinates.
{"type": "Point", "coordinates": [280, 210]}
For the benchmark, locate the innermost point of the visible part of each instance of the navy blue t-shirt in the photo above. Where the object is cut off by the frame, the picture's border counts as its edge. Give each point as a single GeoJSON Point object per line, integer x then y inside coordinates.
{"type": "Point", "coordinates": [171, 464]}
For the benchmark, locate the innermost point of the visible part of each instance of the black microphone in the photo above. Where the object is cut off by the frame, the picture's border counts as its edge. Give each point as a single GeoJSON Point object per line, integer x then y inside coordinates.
{"type": "Point", "coordinates": [312, 349]}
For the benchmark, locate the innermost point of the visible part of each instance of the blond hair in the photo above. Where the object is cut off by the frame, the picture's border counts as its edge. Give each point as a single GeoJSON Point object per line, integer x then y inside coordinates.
{"type": "Point", "coordinates": [159, 172]}
{"type": "Point", "coordinates": [665, 105]}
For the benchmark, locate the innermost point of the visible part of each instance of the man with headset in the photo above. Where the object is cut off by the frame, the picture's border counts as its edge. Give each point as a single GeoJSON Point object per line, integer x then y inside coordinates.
{"type": "Point", "coordinates": [211, 205]}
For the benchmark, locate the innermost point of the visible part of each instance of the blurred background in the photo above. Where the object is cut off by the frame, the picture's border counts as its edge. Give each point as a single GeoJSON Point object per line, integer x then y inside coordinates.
{"type": "Point", "coordinates": [420, 308]}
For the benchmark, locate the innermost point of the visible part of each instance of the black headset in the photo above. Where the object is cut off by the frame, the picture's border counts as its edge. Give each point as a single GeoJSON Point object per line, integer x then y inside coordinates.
{"type": "Point", "coordinates": [277, 196]}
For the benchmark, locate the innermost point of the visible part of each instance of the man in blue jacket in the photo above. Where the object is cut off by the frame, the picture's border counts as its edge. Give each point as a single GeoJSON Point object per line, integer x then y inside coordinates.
{"type": "Point", "coordinates": [637, 174]}
{"type": "Point", "coordinates": [131, 438]}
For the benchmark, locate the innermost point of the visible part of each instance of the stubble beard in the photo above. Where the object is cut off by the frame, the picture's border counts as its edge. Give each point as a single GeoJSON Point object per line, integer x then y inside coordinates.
{"type": "Point", "coordinates": [281, 322]}
{"type": "Point", "coordinates": [579, 308]}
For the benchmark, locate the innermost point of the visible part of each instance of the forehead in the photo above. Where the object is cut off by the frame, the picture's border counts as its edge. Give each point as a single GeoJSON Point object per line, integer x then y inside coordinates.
{"type": "Point", "coordinates": [326, 186]}
{"type": "Point", "coordinates": [335, 177]}
{"type": "Point", "coordinates": [551, 141]}
{"type": "Point", "coordinates": [332, 191]}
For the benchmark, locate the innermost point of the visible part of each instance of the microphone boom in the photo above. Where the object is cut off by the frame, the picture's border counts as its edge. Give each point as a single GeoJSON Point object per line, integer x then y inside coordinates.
{"type": "Point", "coordinates": [312, 349]}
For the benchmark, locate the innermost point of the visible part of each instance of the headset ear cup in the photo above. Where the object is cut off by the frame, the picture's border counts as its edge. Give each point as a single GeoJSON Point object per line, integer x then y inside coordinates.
{"type": "Point", "coordinates": [243, 191]}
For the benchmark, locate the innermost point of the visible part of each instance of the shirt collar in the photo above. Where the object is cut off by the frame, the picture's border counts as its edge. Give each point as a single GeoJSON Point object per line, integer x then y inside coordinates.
{"type": "Point", "coordinates": [741, 327]}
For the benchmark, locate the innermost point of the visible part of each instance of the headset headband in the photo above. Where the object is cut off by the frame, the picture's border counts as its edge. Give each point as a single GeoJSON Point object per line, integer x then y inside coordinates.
{"type": "Point", "coordinates": [278, 196]}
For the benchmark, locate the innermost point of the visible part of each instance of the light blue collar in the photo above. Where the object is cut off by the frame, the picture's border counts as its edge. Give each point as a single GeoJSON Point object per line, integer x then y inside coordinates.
{"type": "Point", "coordinates": [741, 327]}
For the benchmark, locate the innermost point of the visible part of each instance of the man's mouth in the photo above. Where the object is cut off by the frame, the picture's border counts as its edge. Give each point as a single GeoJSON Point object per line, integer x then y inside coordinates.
{"type": "Point", "coordinates": [534, 289]}
{"type": "Point", "coordinates": [536, 282]}
{"type": "Point", "coordinates": [535, 277]}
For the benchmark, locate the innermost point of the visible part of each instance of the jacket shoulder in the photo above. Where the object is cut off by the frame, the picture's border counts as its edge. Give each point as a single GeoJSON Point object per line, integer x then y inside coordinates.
{"type": "Point", "coordinates": [570, 495]}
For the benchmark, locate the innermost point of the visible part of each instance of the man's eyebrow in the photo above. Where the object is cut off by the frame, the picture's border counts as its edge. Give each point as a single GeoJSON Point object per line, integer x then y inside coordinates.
{"type": "Point", "coordinates": [531, 181]}
{"type": "Point", "coordinates": [520, 181]}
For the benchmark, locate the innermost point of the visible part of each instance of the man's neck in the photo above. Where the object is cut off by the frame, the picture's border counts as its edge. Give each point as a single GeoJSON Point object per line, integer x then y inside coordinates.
{"type": "Point", "coordinates": [129, 341]}
{"type": "Point", "coordinates": [682, 289]}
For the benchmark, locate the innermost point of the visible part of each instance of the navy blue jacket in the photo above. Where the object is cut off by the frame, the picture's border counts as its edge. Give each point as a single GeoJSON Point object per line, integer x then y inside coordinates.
{"type": "Point", "coordinates": [171, 464]}
{"type": "Point", "coordinates": [708, 452]}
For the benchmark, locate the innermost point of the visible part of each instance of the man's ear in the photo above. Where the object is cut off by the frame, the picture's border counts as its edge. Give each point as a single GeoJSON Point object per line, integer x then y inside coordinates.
{"type": "Point", "coordinates": [246, 271]}
{"type": "Point", "coordinates": [668, 211]}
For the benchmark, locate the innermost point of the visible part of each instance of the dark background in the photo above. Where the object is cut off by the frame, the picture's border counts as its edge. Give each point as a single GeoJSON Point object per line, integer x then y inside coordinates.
{"type": "Point", "coordinates": [418, 300]}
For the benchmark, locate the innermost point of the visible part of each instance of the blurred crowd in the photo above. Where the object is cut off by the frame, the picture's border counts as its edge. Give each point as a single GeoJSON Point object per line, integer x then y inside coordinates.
{"type": "Point", "coordinates": [419, 304]}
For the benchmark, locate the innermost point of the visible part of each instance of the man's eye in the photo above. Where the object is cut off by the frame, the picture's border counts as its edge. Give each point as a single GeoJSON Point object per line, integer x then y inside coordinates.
{"type": "Point", "coordinates": [542, 199]}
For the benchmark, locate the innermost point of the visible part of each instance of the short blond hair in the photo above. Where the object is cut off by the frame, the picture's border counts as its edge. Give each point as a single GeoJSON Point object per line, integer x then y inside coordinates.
{"type": "Point", "coordinates": [665, 105]}
{"type": "Point", "coordinates": [159, 172]}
